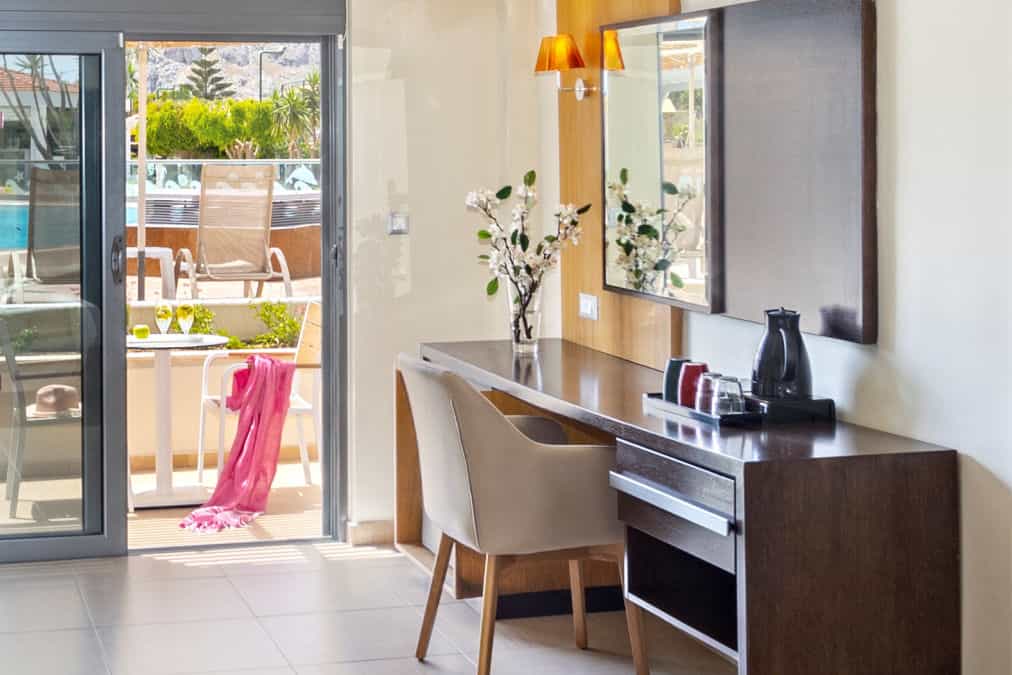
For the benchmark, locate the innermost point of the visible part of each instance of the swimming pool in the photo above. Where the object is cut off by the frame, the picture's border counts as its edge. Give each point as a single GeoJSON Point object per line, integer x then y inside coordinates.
{"type": "Point", "coordinates": [14, 224]}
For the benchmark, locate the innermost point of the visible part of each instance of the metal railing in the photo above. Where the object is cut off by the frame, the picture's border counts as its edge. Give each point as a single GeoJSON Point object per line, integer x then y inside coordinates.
{"type": "Point", "coordinates": [183, 175]}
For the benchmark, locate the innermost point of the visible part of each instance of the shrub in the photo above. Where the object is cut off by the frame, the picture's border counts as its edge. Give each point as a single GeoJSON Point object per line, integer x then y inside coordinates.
{"type": "Point", "coordinates": [199, 128]}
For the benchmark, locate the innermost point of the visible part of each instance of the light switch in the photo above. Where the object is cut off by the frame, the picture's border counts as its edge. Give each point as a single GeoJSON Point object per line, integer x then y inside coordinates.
{"type": "Point", "coordinates": [588, 307]}
{"type": "Point", "coordinates": [398, 223]}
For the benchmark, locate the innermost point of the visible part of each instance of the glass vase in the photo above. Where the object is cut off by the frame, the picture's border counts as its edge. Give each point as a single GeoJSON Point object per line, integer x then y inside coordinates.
{"type": "Point", "coordinates": [524, 318]}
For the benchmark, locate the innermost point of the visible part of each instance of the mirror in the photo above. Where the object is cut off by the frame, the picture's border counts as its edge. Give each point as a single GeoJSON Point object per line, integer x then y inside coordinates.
{"type": "Point", "coordinates": [661, 155]}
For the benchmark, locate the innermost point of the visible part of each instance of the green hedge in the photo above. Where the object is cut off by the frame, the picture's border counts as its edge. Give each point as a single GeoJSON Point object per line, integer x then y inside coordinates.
{"type": "Point", "coordinates": [198, 128]}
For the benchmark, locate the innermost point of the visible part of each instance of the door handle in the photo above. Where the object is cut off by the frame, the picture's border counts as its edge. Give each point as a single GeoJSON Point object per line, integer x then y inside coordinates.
{"type": "Point", "coordinates": [117, 260]}
{"type": "Point", "coordinates": [665, 500]}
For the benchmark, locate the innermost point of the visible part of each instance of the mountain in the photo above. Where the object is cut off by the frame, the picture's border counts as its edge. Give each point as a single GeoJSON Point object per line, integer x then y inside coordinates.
{"type": "Point", "coordinates": [168, 67]}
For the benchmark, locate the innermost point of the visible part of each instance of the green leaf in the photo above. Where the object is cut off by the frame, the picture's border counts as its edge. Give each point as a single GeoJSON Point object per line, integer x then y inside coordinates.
{"type": "Point", "coordinates": [623, 176]}
{"type": "Point", "coordinates": [493, 286]}
{"type": "Point", "coordinates": [648, 231]}
{"type": "Point", "coordinates": [627, 247]}
{"type": "Point", "coordinates": [662, 264]}
{"type": "Point", "coordinates": [513, 237]}
{"type": "Point", "coordinates": [504, 192]}
{"type": "Point", "coordinates": [530, 178]}
{"type": "Point", "coordinates": [583, 209]}
{"type": "Point", "coordinates": [551, 238]}
{"type": "Point", "coordinates": [670, 188]}
{"type": "Point", "coordinates": [525, 241]}
{"type": "Point", "coordinates": [484, 257]}
{"type": "Point", "coordinates": [676, 281]}
{"type": "Point", "coordinates": [628, 208]}
{"type": "Point", "coordinates": [484, 234]}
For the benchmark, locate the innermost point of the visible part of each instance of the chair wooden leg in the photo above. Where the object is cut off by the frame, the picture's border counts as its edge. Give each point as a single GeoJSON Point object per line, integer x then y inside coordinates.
{"type": "Point", "coordinates": [634, 620]}
{"type": "Point", "coordinates": [490, 602]}
{"type": "Point", "coordinates": [435, 593]}
{"type": "Point", "coordinates": [579, 603]}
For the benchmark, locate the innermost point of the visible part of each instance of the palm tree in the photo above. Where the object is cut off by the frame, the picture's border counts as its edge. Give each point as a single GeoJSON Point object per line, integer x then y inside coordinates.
{"type": "Point", "coordinates": [294, 118]}
{"type": "Point", "coordinates": [311, 92]}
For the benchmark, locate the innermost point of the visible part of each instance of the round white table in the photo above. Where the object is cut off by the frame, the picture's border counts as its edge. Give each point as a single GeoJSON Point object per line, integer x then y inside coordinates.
{"type": "Point", "coordinates": [165, 493]}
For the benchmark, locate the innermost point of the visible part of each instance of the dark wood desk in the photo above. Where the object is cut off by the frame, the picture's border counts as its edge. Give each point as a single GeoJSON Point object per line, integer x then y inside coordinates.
{"type": "Point", "coordinates": [794, 550]}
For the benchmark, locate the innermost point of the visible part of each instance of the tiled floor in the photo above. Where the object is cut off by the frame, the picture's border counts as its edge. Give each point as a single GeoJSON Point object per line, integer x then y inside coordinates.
{"type": "Point", "coordinates": [320, 609]}
{"type": "Point", "coordinates": [294, 511]}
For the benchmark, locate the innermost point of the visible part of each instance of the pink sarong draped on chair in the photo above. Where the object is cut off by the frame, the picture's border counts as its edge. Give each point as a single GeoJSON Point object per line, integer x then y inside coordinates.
{"type": "Point", "coordinates": [261, 393]}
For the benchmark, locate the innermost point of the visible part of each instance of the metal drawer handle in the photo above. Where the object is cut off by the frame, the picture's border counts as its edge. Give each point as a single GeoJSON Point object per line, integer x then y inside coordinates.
{"type": "Point", "coordinates": [656, 495]}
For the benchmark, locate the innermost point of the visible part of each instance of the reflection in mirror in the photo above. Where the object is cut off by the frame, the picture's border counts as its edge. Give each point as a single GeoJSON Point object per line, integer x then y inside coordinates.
{"type": "Point", "coordinates": [656, 114]}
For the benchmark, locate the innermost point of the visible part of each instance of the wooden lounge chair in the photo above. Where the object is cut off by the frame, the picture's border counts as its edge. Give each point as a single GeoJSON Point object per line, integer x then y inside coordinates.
{"type": "Point", "coordinates": [234, 230]}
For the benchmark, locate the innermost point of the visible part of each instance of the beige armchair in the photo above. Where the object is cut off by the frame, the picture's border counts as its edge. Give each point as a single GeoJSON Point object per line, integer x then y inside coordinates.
{"type": "Point", "coordinates": [511, 490]}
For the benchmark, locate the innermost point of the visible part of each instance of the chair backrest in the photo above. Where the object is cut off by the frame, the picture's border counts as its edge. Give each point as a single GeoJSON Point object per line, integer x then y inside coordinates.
{"type": "Point", "coordinates": [692, 218]}
{"type": "Point", "coordinates": [466, 449]}
{"type": "Point", "coordinates": [234, 232]}
{"type": "Point", "coordinates": [54, 226]}
{"type": "Point", "coordinates": [310, 349]}
{"type": "Point", "coordinates": [18, 398]}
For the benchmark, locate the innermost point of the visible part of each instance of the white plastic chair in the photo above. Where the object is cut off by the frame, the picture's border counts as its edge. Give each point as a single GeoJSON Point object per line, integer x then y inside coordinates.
{"type": "Point", "coordinates": [307, 355]}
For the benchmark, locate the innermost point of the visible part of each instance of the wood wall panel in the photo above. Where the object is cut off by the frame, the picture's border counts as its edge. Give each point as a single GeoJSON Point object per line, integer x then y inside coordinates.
{"type": "Point", "coordinates": [629, 327]}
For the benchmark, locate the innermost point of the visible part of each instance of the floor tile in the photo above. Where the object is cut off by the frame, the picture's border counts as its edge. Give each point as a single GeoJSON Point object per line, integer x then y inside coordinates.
{"type": "Point", "coordinates": [66, 652]}
{"type": "Point", "coordinates": [461, 625]}
{"type": "Point", "coordinates": [113, 601]}
{"type": "Point", "coordinates": [187, 564]}
{"type": "Point", "coordinates": [197, 647]}
{"type": "Point", "coordinates": [38, 569]}
{"type": "Point", "coordinates": [258, 671]}
{"type": "Point", "coordinates": [351, 636]}
{"type": "Point", "coordinates": [436, 665]}
{"type": "Point", "coordinates": [336, 555]}
{"type": "Point", "coordinates": [322, 591]}
{"type": "Point", "coordinates": [41, 603]}
{"type": "Point", "coordinates": [256, 560]}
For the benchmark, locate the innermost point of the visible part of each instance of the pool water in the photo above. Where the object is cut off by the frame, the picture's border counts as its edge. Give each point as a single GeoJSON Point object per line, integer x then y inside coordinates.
{"type": "Point", "coordinates": [14, 225]}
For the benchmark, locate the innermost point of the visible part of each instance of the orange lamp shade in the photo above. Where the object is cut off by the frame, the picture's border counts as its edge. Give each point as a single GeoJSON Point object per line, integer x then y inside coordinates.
{"type": "Point", "coordinates": [612, 51]}
{"type": "Point", "coordinates": [558, 53]}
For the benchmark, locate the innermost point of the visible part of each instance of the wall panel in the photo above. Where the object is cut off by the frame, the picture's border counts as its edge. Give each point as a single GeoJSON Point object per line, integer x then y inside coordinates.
{"type": "Point", "coordinates": [635, 329]}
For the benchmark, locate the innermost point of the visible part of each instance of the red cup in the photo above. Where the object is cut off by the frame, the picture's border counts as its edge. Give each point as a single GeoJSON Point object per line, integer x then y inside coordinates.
{"type": "Point", "coordinates": [688, 382]}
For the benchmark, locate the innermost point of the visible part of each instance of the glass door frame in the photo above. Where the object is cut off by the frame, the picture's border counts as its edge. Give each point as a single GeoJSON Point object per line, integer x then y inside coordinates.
{"type": "Point", "coordinates": [333, 251]}
{"type": "Point", "coordinates": [103, 368]}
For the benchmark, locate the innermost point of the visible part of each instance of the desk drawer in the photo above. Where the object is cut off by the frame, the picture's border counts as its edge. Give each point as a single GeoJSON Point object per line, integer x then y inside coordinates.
{"type": "Point", "coordinates": [712, 490]}
{"type": "Point", "coordinates": [680, 504]}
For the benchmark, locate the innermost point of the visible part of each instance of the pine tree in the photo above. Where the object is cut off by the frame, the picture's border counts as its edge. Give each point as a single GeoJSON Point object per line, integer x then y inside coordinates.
{"type": "Point", "coordinates": [205, 78]}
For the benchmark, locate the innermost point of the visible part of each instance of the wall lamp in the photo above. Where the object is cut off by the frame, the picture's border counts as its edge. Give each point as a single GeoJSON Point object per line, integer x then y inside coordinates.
{"type": "Point", "coordinates": [559, 53]}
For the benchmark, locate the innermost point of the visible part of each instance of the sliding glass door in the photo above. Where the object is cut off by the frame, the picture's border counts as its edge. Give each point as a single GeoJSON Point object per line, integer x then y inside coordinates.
{"type": "Point", "coordinates": [62, 149]}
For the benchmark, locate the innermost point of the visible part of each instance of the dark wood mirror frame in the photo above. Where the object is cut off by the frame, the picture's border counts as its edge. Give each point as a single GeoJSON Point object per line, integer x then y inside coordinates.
{"type": "Point", "coordinates": [714, 231]}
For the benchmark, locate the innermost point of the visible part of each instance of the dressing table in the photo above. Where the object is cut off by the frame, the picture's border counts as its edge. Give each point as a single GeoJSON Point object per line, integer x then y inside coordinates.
{"type": "Point", "coordinates": [794, 549]}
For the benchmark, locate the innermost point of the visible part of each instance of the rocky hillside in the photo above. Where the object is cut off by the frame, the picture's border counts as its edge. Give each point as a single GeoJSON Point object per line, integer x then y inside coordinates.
{"type": "Point", "coordinates": [169, 66]}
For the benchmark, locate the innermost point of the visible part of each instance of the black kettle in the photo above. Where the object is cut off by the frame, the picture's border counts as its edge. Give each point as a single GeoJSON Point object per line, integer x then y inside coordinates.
{"type": "Point", "coordinates": [782, 369]}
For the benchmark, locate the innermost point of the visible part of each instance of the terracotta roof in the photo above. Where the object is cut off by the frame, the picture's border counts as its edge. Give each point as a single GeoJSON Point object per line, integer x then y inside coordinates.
{"type": "Point", "coordinates": [24, 81]}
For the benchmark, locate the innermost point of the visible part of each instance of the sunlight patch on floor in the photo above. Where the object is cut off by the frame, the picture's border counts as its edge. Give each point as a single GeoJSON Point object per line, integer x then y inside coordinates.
{"type": "Point", "coordinates": [294, 511]}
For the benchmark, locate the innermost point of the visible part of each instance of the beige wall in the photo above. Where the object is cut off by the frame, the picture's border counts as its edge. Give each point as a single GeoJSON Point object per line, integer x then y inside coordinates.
{"type": "Point", "coordinates": [443, 100]}
{"type": "Point", "coordinates": [941, 371]}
